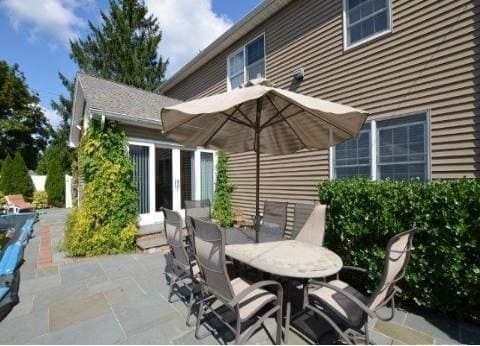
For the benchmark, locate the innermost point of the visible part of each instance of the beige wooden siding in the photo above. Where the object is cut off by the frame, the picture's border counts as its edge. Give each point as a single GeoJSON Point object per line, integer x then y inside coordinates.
{"type": "Point", "coordinates": [430, 62]}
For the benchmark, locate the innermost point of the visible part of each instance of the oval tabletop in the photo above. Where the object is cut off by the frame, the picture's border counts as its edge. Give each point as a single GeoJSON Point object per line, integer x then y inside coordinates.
{"type": "Point", "coordinates": [288, 258]}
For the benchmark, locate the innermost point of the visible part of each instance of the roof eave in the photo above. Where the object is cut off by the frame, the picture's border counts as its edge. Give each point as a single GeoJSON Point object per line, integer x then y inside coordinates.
{"type": "Point", "coordinates": [254, 18]}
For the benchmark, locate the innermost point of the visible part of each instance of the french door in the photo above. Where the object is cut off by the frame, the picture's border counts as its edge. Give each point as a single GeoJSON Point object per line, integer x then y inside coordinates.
{"type": "Point", "coordinates": [167, 176]}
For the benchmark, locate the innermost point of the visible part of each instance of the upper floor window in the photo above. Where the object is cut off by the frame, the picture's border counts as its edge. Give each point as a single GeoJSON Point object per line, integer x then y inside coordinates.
{"type": "Point", "coordinates": [401, 150]}
{"type": "Point", "coordinates": [366, 19]}
{"type": "Point", "coordinates": [247, 63]}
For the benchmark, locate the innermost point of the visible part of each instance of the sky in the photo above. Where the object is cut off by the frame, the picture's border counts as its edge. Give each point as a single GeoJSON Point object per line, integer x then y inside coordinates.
{"type": "Point", "coordinates": [35, 34]}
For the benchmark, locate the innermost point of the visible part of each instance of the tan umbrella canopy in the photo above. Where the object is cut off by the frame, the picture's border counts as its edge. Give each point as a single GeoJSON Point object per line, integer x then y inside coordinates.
{"type": "Point", "coordinates": [261, 118]}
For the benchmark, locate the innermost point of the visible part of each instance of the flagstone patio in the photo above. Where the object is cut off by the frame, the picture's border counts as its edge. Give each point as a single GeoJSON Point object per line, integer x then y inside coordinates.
{"type": "Point", "coordinates": [122, 299]}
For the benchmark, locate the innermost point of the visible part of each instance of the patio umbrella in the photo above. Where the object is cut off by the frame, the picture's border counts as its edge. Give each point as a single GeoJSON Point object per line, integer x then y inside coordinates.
{"type": "Point", "coordinates": [261, 118]}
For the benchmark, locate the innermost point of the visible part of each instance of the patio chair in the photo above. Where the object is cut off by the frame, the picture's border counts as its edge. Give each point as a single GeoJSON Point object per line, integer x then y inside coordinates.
{"type": "Point", "coordinates": [274, 218]}
{"type": "Point", "coordinates": [17, 204]}
{"type": "Point", "coordinates": [243, 298]}
{"type": "Point", "coordinates": [199, 209]}
{"type": "Point", "coordinates": [309, 223]}
{"type": "Point", "coordinates": [348, 310]}
{"type": "Point", "coordinates": [184, 270]}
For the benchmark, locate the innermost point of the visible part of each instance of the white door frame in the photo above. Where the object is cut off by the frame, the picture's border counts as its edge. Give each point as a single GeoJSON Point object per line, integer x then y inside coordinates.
{"type": "Point", "coordinates": [157, 217]}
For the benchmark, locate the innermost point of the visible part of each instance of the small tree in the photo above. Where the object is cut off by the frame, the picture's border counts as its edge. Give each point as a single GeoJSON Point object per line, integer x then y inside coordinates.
{"type": "Point", "coordinates": [222, 205]}
{"type": "Point", "coordinates": [55, 184]}
{"type": "Point", "coordinates": [15, 178]}
{"type": "Point", "coordinates": [6, 174]}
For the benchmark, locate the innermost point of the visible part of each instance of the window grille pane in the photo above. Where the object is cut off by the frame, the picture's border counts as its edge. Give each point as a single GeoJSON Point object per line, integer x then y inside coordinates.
{"type": "Point", "coordinates": [366, 18]}
{"type": "Point", "coordinates": [255, 51]}
{"type": "Point", "coordinates": [352, 158]}
{"type": "Point", "coordinates": [256, 71]}
{"type": "Point", "coordinates": [402, 145]}
{"type": "Point", "coordinates": [237, 81]}
{"type": "Point", "coordinates": [236, 64]}
{"type": "Point", "coordinates": [140, 158]}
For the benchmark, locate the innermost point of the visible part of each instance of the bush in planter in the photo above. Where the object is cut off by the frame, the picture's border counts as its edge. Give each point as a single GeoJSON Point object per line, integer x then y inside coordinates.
{"type": "Point", "coordinates": [40, 200]}
{"type": "Point", "coordinates": [222, 199]}
{"type": "Point", "coordinates": [105, 222]}
{"type": "Point", "coordinates": [444, 271]}
{"type": "Point", "coordinates": [55, 184]}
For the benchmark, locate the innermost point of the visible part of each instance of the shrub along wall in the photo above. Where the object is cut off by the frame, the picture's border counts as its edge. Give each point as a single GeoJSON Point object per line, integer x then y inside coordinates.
{"type": "Point", "coordinates": [444, 270]}
{"type": "Point", "coordinates": [106, 221]}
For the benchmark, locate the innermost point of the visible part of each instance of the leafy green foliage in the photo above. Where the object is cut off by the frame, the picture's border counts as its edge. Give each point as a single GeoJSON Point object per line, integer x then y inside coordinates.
{"type": "Point", "coordinates": [40, 200]}
{"type": "Point", "coordinates": [444, 271]}
{"type": "Point", "coordinates": [15, 178]}
{"type": "Point", "coordinates": [55, 152]}
{"type": "Point", "coordinates": [6, 173]}
{"type": "Point", "coordinates": [23, 125]}
{"type": "Point", "coordinates": [124, 47]}
{"type": "Point", "coordinates": [105, 223]}
{"type": "Point", "coordinates": [222, 200]}
{"type": "Point", "coordinates": [55, 184]}
{"type": "Point", "coordinates": [3, 200]}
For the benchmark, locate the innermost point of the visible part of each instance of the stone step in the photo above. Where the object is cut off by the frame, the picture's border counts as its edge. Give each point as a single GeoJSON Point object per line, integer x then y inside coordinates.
{"type": "Point", "coordinates": [149, 243]}
{"type": "Point", "coordinates": [150, 229]}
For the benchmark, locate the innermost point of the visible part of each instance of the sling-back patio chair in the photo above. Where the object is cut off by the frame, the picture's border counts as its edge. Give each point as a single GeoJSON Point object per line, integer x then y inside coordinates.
{"type": "Point", "coordinates": [348, 310]}
{"type": "Point", "coordinates": [199, 209]}
{"type": "Point", "coordinates": [17, 204]}
{"type": "Point", "coordinates": [184, 270]}
{"type": "Point", "coordinates": [243, 298]}
{"type": "Point", "coordinates": [274, 217]}
{"type": "Point", "coordinates": [309, 223]}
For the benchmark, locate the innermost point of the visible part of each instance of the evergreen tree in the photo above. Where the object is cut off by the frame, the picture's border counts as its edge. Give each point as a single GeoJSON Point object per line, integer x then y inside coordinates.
{"type": "Point", "coordinates": [21, 182]}
{"type": "Point", "coordinates": [124, 47]}
{"type": "Point", "coordinates": [55, 184]}
{"type": "Point", "coordinates": [5, 175]}
{"type": "Point", "coordinates": [222, 200]}
{"type": "Point", "coordinates": [23, 125]}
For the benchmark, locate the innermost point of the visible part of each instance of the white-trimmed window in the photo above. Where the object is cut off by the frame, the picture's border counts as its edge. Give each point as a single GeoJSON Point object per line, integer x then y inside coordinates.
{"type": "Point", "coordinates": [401, 150]}
{"type": "Point", "coordinates": [366, 20]}
{"type": "Point", "coordinates": [247, 63]}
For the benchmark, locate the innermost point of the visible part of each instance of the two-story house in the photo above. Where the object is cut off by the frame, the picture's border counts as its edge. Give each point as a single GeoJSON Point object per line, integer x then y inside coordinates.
{"type": "Point", "coordinates": [413, 64]}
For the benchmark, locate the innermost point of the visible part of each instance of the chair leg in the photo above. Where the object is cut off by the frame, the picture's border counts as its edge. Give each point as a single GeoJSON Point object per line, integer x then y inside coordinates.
{"type": "Point", "coordinates": [367, 333]}
{"type": "Point", "coordinates": [190, 305]}
{"type": "Point", "coordinates": [278, 339]}
{"type": "Point", "coordinates": [172, 285]}
{"type": "Point", "coordinates": [238, 330]}
{"type": "Point", "coordinates": [199, 317]}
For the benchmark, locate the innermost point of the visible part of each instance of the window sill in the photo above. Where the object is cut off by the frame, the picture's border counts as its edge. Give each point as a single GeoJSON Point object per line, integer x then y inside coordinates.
{"type": "Point", "coordinates": [370, 39]}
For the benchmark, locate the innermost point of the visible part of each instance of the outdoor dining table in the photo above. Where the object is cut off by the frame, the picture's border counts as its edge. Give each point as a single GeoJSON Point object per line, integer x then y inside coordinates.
{"type": "Point", "coordinates": [247, 235]}
{"type": "Point", "coordinates": [288, 259]}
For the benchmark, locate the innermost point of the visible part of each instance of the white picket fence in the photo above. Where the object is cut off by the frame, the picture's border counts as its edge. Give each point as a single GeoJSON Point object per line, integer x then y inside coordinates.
{"type": "Point", "coordinates": [39, 184]}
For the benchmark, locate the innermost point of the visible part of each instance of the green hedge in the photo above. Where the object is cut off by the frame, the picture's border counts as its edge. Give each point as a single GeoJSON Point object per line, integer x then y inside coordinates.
{"type": "Point", "coordinates": [444, 271]}
{"type": "Point", "coordinates": [14, 177]}
{"type": "Point", "coordinates": [55, 184]}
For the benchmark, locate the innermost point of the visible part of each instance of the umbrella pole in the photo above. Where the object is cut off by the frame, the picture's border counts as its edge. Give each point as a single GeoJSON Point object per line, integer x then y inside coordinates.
{"type": "Point", "coordinates": [257, 190]}
{"type": "Point", "coordinates": [257, 201]}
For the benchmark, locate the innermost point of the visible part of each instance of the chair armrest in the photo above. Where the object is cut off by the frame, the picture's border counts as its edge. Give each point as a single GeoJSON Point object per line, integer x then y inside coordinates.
{"type": "Point", "coordinates": [350, 296]}
{"type": "Point", "coordinates": [239, 297]}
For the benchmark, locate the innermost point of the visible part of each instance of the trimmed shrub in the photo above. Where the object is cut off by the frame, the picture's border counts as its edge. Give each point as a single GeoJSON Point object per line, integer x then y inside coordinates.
{"type": "Point", "coordinates": [40, 200]}
{"type": "Point", "coordinates": [222, 199]}
{"type": "Point", "coordinates": [55, 184]}
{"type": "Point", "coordinates": [444, 270]}
{"type": "Point", "coordinates": [106, 221]}
{"type": "Point", "coordinates": [15, 178]}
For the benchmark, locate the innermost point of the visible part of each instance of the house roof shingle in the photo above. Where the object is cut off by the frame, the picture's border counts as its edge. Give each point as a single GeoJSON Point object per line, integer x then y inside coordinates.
{"type": "Point", "coordinates": [120, 101]}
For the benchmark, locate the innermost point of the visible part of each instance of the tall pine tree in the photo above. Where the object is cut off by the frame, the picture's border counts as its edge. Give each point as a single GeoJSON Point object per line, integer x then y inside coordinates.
{"type": "Point", "coordinates": [124, 47]}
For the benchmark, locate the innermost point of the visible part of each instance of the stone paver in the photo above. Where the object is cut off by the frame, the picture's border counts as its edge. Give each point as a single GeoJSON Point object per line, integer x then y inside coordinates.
{"type": "Point", "coordinates": [122, 300]}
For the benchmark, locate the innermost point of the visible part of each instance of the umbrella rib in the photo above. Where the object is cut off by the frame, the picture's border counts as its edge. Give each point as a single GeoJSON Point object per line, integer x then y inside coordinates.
{"type": "Point", "coordinates": [286, 117]}
{"type": "Point", "coordinates": [289, 125]}
{"type": "Point", "coordinates": [319, 117]}
{"type": "Point", "coordinates": [269, 121]}
{"type": "Point", "coordinates": [238, 121]}
{"type": "Point", "coordinates": [216, 131]}
{"type": "Point", "coordinates": [243, 114]}
{"type": "Point", "coordinates": [182, 123]}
